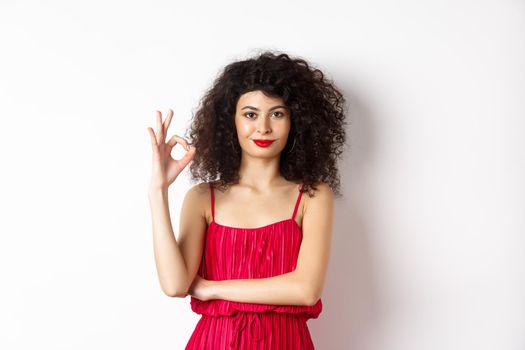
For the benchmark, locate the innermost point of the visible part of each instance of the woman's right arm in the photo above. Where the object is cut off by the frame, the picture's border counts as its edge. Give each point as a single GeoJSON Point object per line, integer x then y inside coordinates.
{"type": "Point", "coordinates": [171, 268]}
{"type": "Point", "coordinates": [176, 261]}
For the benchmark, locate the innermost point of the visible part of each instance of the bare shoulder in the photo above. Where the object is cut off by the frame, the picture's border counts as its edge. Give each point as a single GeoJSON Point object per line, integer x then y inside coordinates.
{"type": "Point", "coordinates": [197, 198]}
{"type": "Point", "coordinates": [322, 191]}
{"type": "Point", "coordinates": [322, 195]}
{"type": "Point", "coordinates": [200, 189]}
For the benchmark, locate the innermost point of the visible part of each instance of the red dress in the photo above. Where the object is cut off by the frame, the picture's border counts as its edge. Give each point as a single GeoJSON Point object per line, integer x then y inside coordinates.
{"type": "Point", "coordinates": [242, 253]}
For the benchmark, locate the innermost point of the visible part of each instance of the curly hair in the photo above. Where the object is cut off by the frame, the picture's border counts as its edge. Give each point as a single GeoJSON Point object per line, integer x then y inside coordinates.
{"type": "Point", "coordinates": [317, 131]}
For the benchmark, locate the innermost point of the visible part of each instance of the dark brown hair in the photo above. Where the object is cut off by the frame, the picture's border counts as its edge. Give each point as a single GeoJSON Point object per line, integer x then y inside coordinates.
{"type": "Point", "coordinates": [317, 111]}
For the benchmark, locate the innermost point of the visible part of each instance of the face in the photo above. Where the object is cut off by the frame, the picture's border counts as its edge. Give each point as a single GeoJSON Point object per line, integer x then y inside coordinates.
{"type": "Point", "coordinates": [259, 117]}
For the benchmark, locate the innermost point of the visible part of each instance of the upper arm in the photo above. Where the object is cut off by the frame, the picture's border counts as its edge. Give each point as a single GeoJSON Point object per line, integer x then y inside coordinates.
{"type": "Point", "coordinates": [192, 229]}
{"type": "Point", "coordinates": [314, 253]}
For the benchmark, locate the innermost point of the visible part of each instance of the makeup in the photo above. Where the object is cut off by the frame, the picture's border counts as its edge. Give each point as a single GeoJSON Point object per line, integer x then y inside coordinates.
{"type": "Point", "coordinates": [263, 143]}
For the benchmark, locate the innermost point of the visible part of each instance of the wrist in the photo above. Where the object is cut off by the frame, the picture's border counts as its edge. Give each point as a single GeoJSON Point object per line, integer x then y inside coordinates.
{"type": "Point", "coordinates": [155, 190]}
{"type": "Point", "coordinates": [214, 289]}
{"type": "Point", "coordinates": [157, 196]}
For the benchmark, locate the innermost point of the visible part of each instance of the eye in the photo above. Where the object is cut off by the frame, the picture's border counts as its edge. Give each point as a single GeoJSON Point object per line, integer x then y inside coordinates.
{"type": "Point", "coordinates": [248, 113]}
{"type": "Point", "coordinates": [281, 114]}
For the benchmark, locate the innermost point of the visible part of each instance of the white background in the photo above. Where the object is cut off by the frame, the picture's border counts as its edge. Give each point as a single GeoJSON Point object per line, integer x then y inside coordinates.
{"type": "Point", "coordinates": [428, 248]}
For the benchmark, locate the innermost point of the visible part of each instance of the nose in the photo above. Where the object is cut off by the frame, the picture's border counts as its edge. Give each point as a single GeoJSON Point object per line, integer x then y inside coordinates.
{"type": "Point", "coordinates": [263, 125]}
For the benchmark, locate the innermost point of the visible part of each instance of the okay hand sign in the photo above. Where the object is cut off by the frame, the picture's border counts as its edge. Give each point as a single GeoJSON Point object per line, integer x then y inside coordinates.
{"type": "Point", "coordinates": [165, 168]}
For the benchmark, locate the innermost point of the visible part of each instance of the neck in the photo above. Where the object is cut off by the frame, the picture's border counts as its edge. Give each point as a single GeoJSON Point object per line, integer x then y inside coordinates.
{"type": "Point", "coordinates": [261, 173]}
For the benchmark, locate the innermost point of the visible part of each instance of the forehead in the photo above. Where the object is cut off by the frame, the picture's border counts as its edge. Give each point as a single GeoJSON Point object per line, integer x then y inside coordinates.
{"type": "Point", "coordinates": [258, 99]}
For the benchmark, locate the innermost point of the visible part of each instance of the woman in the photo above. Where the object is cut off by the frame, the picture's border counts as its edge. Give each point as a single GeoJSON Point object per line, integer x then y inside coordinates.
{"type": "Point", "coordinates": [252, 251]}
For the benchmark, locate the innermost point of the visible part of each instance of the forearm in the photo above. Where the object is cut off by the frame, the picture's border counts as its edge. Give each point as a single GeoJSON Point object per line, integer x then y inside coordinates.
{"type": "Point", "coordinates": [285, 289]}
{"type": "Point", "coordinates": [171, 268]}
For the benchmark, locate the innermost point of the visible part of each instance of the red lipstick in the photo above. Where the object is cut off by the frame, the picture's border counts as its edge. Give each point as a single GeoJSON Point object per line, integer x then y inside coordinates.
{"type": "Point", "coordinates": [263, 143]}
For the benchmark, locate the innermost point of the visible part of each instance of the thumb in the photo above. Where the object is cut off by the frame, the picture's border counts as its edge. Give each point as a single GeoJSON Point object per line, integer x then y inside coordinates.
{"type": "Point", "coordinates": [189, 155]}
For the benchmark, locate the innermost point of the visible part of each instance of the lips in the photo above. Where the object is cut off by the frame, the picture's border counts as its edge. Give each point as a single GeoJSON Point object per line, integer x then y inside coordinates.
{"type": "Point", "coordinates": [263, 143]}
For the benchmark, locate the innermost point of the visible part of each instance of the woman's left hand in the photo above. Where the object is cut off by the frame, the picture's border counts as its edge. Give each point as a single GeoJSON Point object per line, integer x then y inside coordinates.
{"type": "Point", "coordinates": [201, 288]}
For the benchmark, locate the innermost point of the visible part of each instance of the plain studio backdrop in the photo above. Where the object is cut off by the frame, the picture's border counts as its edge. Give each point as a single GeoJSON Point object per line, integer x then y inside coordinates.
{"type": "Point", "coordinates": [428, 244]}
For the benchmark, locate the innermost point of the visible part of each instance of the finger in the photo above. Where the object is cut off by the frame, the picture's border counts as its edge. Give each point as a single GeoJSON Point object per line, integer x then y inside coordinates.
{"type": "Point", "coordinates": [184, 143]}
{"type": "Point", "coordinates": [168, 121]}
{"type": "Point", "coordinates": [187, 158]}
{"type": "Point", "coordinates": [160, 130]}
{"type": "Point", "coordinates": [172, 141]}
{"type": "Point", "coordinates": [177, 139]}
{"type": "Point", "coordinates": [152, 137]}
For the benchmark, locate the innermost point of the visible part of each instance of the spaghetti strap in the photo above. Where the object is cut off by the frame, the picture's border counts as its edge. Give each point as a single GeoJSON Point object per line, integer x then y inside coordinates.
{"type": "Point", "coordinates": [212, 203]}
{"type": "Point", "coordinates": [297, 202]}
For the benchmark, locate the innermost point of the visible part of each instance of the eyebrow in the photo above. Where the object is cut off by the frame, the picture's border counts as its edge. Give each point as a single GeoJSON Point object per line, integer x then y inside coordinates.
{"type": "Point", "coordinates": [271, 109]}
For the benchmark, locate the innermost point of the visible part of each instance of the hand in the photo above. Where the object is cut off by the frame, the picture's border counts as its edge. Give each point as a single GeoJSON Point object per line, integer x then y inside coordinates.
{"type": "Point", "coordinates": [201, 288]}
{"type": "Point", "coordinates": [165, 168]}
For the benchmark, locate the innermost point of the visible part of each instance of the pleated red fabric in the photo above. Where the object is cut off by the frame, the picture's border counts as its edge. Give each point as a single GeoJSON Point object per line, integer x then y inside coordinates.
{"type": "Point", "coordinates": [242, 253]}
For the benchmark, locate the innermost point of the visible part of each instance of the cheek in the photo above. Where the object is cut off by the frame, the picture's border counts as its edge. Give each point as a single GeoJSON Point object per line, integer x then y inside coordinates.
{"type": "Point", "coordinates": [285, 128]}
{"type": "Point", "coordinates": [243, 128]}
